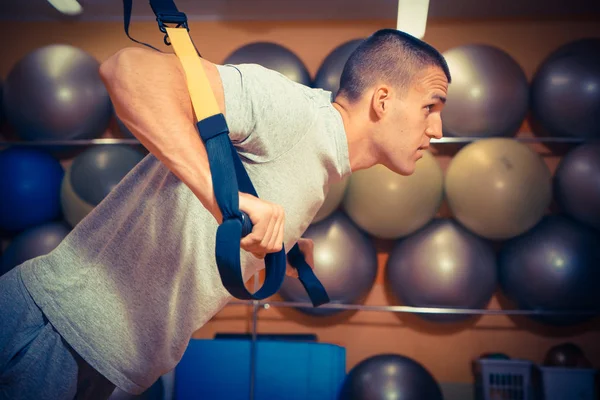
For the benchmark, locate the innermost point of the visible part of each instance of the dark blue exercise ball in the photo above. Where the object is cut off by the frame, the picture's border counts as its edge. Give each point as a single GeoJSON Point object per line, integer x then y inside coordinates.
{"type": "Point", "coordinates": [390, 377]}
{"type": "Point", "coordinates": [345, 263]}
{"type": "Point", "coordinates": [272, 56]}
{"type": "Point", "coordinates": [443, 265]}
{"type": "Point", "coordinates": [565, 91]}
{"type": "Point", "coordinates": [96, 171]}
{"type": "Point", "coordinates": [577, 184]}
{"type": "Point", "coordinates": [30, 183]}
{"type": "Point", "coordinates": [553, 266]}
{"type": "Point", "coordinates": [55, 93]}
{"type": "Point", "coordinates": [329, 73]}
{"type": "Point", "coordinates": [33, 242]}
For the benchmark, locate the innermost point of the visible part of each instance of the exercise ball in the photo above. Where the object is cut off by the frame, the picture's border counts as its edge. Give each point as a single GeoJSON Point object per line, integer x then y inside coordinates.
{"type": "Point", "coordinates": [55, 93]}
{"type": "Point", "coordinates": [566, 355]}
{"type": "Point", "coordinates": [96, 171]}
{"type": "Point", "coordinates": [33, 242]}
{"type": "Point", "coordinates": [333, 199]}
{"type": "Point", "coordinates": [329, 73]}
{"type": "Point", "coordinates": [553, 266]}
{"type": "Point", "coordinates": [390, 377]}
{"type": "Point", "coordinates": [74, 208]}
{"type": "Point", "coordinates": [489, 94]}
{"type": "Point", "coordinates": [345, 263]}
{"type": "Point", "coordinates": [389, 205]}
{"type": "Point", "coordinates": [442, 266]}
{"type": "Point", "coordinates": [577, 184]}
{"type": "Point", "coordinates": [565, 91]}
{"type": "Point", "coordinates": [29, 188]}
{"type": "Point", "coordinates": [272, 56]}
{"type": "Point", "coordinates": [498, 188]}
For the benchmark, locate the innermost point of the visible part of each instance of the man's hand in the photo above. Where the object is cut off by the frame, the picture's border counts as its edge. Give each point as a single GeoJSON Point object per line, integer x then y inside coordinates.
{"type": "Point", "coordinates": [269, 223]}
{"type": "Point", "coordinates": [307, 247]}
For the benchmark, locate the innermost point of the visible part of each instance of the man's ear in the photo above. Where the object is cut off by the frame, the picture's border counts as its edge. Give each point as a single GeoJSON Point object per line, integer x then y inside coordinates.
{"type": "Point", "coordinates": [380, 101]}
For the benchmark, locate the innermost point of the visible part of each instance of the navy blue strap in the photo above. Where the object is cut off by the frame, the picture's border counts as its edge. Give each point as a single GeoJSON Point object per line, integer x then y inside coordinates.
{"type": "Point", "coordinates": [230, 177]}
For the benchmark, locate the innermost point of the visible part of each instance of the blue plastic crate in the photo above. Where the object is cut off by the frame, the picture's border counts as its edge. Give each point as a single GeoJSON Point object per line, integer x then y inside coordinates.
{"type": "Point", "coordinates": [220, 369]}
{"type": "Point", "coordinates": [568, 383]}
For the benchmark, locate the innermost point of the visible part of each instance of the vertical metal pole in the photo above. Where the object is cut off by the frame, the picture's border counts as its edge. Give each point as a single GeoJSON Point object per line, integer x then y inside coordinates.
{"type": "Point", "coordinates": [253, 341]}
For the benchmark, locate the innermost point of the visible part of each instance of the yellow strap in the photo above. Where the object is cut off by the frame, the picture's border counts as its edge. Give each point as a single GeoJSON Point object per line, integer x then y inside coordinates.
{"type": "Point", "coordinates": [203, 99]}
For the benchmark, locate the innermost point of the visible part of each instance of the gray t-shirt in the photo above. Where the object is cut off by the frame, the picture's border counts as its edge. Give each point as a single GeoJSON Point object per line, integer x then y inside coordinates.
{"type": "Point", "coordinates": [137, 277]}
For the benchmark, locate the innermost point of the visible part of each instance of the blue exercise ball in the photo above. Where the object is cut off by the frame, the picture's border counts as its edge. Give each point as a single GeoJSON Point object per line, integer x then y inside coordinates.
{"type": "Point", "coordinates": [553, 266]}
{"type": "Point", "coordinates": [443, 265]}
{"type": "Point", "coordinates": [272, 56]}
{"type": "Point", "coordinates": [55, 93]}
{"type": "Point", "coordinates": [30, 182]}
{"type": "Point", "coordinates": [96, 171]}
{"type": "Point", "coordinates": [577, 184]}
{"type": "Point", "coordinates": [330, 72]}
{"type": "Point", "coordinates": [565, 91]}
{"type": "Point", "coordinates": [33, 242]}
{"type": "Point", "coordinates": [390, 376]}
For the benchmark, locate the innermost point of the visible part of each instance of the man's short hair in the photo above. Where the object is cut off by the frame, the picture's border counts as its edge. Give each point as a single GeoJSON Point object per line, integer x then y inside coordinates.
{"type": "Point", "coordinates": [391, 56]}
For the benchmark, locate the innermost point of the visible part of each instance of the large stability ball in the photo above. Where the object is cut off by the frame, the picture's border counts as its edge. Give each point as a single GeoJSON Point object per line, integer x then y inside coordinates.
{"type": "Point", "coordinates": [33, 242]}
{"type": "Point", "coordinates": [333, 199]}
{"type": "Point", "coordinates": [272, 56]}
{"type": "Point", "coordinates": [443, 266]}
{"type": "Point", "coordinates": [95, 172]}
{"type": "Point", "coordinates": [55, 93]}
{"type": "Point", "coordinates": [329, 73]}
{"type": "Point", "coordinates": [390, 377]}
{"type": "Point", "coordinates": [345, 263]}
{"type": "Point", "coordinates": [488, 95]}
{"type": "Point", "coordinates": [29, 188]}
{"type": "Point", "coordinates": [553, 266]}
{"type": "Point", "coordinates": [565, 91]}
{"type": "Point", "coordinates": [577, 184]}
{"type": "Point", "coordinates": [498, 188]}
{"type": "Point", "coordinates": [74, 208]}
{"type": "Point", "coordinates": [389, 205]}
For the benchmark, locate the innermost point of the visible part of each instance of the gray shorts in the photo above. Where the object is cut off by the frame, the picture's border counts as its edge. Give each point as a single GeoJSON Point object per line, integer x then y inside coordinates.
{"type": "Point", "coordinates": [35, 361]}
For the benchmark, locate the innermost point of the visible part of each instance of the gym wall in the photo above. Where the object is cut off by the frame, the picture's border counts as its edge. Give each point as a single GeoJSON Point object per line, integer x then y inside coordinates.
{"type": "Point", "coordinates": [445, 351]}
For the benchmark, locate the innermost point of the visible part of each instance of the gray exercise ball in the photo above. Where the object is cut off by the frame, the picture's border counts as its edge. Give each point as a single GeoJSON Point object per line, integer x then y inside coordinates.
{"type": "Point", "coordinates": [388, 205]}
{"type": "Point", "coordinates": [565, 91]}
{"type": "Point", "coordinates": [74, 208]}
{"type": "Point", "coordinates": [443, 266]}
{"type": "Point", "coordinates": [272, 56]}
{"type": "Point", "coordinates": [33, 242]}
{"type": "Point", "coordinates": [498, 187]}
{"type": "Point", "coordinates": [55, 93]}
{"type": "Point", "coordinates": [345, 263]}
{"type": "Point", "coordinates": [577, 184]}
{"type": "Point", "coordinates": [390, 377]}
{"type": "Point", "coordinates": [329, 73]}
{"type": "Point", "coordinates": [96, 171]}
{"type": "Point", "coordinates": [553, 266]}
{"type": "Point", "coordinates": [489, 93]}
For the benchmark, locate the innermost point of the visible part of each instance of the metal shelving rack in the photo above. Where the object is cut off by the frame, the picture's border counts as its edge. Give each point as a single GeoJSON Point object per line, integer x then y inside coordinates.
{"type": "Point", "coordinates": [258, 305]}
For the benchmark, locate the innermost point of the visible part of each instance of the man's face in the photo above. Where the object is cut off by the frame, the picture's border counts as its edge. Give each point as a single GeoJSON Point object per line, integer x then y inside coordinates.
{"type": "Point", "coordinates": [414, 119]}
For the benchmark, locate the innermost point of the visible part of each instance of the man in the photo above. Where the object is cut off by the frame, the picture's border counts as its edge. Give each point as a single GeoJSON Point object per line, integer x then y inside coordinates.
{"type": "Point", "coordinates": [118, 300]}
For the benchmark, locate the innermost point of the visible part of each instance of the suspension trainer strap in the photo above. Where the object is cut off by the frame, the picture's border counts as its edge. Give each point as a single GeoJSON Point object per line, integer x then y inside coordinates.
{"type": "Point", "coordinates": [227, 170]}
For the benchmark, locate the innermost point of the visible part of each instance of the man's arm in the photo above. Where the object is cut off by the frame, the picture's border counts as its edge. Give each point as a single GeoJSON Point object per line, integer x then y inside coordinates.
{"type": "Point", "coordinates": [150, 95]}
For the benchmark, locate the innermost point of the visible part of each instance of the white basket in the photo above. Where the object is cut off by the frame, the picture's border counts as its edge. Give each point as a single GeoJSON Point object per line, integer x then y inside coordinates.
{"type": "Point", "coordinates": [568, 383]}
{"type": "Point", "coordinates": [505, 380]}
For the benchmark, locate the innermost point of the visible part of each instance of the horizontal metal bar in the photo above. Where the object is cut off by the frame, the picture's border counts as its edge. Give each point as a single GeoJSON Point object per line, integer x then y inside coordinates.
{"type": "Point", "coordinates": [445, 140]}
{"type": "Point", "coordinates": [415, 310]}
{"type": "Point", "coordinates": [86, 142]}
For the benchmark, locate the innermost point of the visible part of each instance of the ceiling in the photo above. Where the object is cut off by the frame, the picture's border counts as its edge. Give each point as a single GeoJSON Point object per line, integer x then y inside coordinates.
{"type": "Point", "coordinates": [107, 10]}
